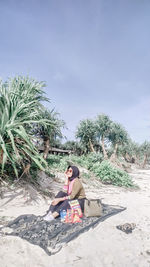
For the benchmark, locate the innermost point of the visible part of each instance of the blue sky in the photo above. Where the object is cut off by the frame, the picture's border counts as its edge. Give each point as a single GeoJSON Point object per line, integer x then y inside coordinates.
{"type": "Point", "coordinates": [94, 56]}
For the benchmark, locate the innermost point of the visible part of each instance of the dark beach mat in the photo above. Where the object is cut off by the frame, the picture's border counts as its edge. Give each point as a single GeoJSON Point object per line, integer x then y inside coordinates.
{"type": "Point", "coordinates": [51, 236]}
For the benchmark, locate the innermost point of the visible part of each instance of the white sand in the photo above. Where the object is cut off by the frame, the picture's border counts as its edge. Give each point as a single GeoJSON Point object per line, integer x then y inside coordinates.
{"type": "Point", "coordinates": [102, 246]}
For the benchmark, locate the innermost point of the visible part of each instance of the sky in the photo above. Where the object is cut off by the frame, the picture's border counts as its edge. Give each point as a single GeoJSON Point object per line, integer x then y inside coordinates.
{"type": "Point", "coordinates": [94, 56]}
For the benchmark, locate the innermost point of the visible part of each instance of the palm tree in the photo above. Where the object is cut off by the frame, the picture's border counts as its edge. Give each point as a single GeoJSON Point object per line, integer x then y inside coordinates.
{"type": "Point", "coordinates": [49, 132]}
{"type": "Point", "coordinates": [103, 128]}
{"type": "Point", "coordinates": [145, 148]}
{"type": "Point", "coordinates": [19, 110]}
{"type": "Point", "coordinates": [136, 151]}
{"type": "Point", "coordinates": [86, 132]}
{"type": "Point", "coordinates": [118, 136]}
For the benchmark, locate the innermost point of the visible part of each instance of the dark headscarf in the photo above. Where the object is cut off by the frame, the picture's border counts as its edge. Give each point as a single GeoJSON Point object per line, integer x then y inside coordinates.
{"type": "Point", "coordinates": [75, 172]}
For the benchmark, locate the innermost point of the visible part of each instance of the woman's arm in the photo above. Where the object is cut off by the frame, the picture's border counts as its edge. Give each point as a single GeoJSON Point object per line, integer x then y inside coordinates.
{"type": "Point", "coordinates": [75, 189]}
{"type": "Point", "coordinates": [77, 186]}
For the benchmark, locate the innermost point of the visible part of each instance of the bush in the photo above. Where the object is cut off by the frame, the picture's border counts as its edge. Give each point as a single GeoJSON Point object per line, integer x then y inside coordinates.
{"type": "Point", "coordinates": [111, 175]}
{"type": "Point", "coordinates": [89, 160]}
{"type": "Point", "coordinates": [57, 162]}
{"type": "Point", "coordinates": [92, 159]}
{"type": "Point", "coordinates": [53, 160]}
{"type": "Point", "coordinates": [104, 170]}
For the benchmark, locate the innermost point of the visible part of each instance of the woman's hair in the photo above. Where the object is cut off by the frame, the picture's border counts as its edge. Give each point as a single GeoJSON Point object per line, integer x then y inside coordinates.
{"type": "Point", "coordinates": [75, 172]}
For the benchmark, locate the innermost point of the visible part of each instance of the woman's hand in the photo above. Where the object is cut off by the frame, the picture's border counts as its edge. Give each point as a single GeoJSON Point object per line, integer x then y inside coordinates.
{"type": "Point", "coordinates": [57, 200]}
{"type": "Point", "coordinates": [66, 172]}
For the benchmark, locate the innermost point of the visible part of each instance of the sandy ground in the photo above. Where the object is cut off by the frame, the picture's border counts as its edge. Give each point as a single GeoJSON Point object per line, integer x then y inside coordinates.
{"type": "Point", "coordinates": [103, 246]}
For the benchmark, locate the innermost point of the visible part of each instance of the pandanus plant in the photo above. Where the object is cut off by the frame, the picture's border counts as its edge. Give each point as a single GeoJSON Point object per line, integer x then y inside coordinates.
{"type": "Point", "coordinates": [103, 126]}
{"type": "Point", "coordinates": [49, 132]}
{"type": "Point", "coordinates": [145, 149]}
{"type": "Point", "coordinates": [118, 137]}
{"type": "Point", "coordinates": [20, 109]}
{"type": "Point", "coordinates": [86, 133]}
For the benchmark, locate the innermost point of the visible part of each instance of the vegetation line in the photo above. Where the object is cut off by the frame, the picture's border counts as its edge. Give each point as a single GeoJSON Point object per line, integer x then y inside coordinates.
{"type": "Point", "coordinates": [101, 145]}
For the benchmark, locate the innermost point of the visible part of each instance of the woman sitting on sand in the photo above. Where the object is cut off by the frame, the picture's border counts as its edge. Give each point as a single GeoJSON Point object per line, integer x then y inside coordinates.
{"type": "Point", "coordinates": [73, 189]}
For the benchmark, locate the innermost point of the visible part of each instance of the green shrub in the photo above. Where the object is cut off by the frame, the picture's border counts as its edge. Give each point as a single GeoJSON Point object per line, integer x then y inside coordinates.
{"type": "Point", "coordinates": [53, 160]}
{"type": "Point", "coordinates": [92, 159]}
{"type": "Point", "coordinates": [57, 162]}
{"type": "Point", "coordinates": [106, 172]}
{"type": "Point", "coordinates": [111, 175]}
{"type": "Point", "coordinates": [87, 161]}
{"type": "Point", "coordinates": [78, 160]}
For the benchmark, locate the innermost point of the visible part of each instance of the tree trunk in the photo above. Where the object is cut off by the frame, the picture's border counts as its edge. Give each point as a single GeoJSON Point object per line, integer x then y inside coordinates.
{"type": "Point", "coordinates": [144, 162]}
{"type": "Point", "coordinates": [91, 146]}
{"type": "Point", "coordinates": [46, 147]}
{"type": "Point", "coordinates": [113, 156]}
{"type": "Point", "coordinates": [1, 156]}
{"type": "Point", "coordinates": [137, 159]}
{"type": "Point", "coordinates": [127, 157]}
{"type": "Point", "coordinates": [26, 171]}
{"type": "Point", "coordinates": [103, 148]}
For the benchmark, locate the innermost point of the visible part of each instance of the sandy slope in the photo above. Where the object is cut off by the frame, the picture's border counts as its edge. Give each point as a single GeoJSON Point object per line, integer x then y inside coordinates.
{"type": "Point", "coordinates": [103, 246]}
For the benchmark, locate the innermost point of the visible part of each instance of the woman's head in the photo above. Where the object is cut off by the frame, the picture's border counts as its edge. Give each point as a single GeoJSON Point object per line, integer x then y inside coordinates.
{"type": "Point", "coordinates": [72, 172]}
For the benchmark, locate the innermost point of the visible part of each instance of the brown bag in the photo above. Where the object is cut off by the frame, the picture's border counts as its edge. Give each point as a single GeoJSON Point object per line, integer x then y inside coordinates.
{"type": "Point", "coordinates": [92, 208]}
